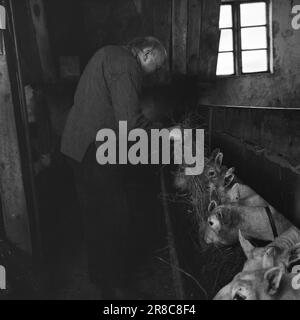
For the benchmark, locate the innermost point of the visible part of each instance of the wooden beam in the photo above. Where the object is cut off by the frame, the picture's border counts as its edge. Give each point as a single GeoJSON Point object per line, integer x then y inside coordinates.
{"type": "Point", "coordinates": [13, 199]}
{"type": "Point", "coordinates": [209, 42]}
{"type": "Point", "coordinates": [179, 36]}
{"type": "Point", "coordinates": [37, 11]}
{"type": "Point", "coordinates": [194, 33]}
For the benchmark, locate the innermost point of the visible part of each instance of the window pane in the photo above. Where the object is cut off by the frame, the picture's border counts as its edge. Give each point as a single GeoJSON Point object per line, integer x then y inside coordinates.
{"type": "Point", "coordinates": [225, 64]}
{"type": "Point", "coordinates": [255, 61]}
{"type": "Point", "coordinates": [226, 42]}
{"type": "Point", "coordinates": [254, 38]}
{"type": "Point", "coordinates": [226, 16]}
{"type": "Point", "coordinates": [253, 14]}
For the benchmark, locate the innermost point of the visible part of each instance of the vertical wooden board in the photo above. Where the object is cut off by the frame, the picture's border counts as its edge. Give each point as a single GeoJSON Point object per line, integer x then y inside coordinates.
{"type": "Point", "coordinates": [14, 205]}
{"type": "Point", "coordinates": [179, 36]}
{"type": "Point", "coordinates": [148, 17]}
{"type": "Point", "coordinates": [31, 66]}
{"type": "Point", "coordinates": [138, 5]}
{"type": "Point", "coordinates": [162, 20]}
{"type": "Point", "coordinates": [193, 37]}
{"type": "Point", "coordinates": [42, 39]}
{"type": "Point", "coordinates": [209, 41]}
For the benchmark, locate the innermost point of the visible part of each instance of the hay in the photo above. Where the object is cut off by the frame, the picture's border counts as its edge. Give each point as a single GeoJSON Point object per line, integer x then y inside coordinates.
{"type": "Point", "coordinates": [194, 187]}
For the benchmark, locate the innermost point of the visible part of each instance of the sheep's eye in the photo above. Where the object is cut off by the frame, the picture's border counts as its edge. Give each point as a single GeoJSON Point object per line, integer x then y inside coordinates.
{"type": "Point", "coordinates": [219, 215]}
{"type": "Point", "coordinates": [239, 296]}
{"type": "Point", "coordinates": [211, 173]}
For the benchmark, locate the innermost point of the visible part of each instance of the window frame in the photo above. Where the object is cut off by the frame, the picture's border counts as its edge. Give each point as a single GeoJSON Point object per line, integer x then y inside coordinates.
{"type": "Point", "coordinates": [2, 42]}
{"type": "Point", "coordinates": [233, 42]}
{"type": "Point", "coordinates": [237, 38]}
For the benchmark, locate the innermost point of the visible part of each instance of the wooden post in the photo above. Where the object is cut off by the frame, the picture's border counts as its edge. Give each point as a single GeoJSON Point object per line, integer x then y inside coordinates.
{"type": "Point", "coordinates": [179, 36]}
{"type": "Point", "coordinates": [42, 38]}
{"type": "Point", "coordinates": [14, 205]}
{"type": "Point", "coordinates": [210, 128]}
{"type": "Point", "coordinates": [194, 33]}
{"type": "Point", "coordinates": [209, 41]}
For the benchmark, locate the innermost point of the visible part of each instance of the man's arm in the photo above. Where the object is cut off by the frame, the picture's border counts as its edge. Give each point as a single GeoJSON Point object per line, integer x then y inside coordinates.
{"type": "Point", "coordinates": [125, 92]}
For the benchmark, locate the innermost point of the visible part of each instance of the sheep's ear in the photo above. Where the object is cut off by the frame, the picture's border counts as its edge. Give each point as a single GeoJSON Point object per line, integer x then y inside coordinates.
{"type": "Point", "coordinates": [273, 278]}
{"type": "Point", "coordinates": [235, 191]}
{"type": "Point", "coordinates": [228, 180]}
{"type": "Point", "coordinates": [214, 154]}
{"type": "Point", "coordinates": [212, 206]}
{"type": "Point", "coordinates": [246, 245]}
{"type": "Point", "coordinates": [230, 171]}
{"type": "Point", "coordinates": [219, 159]}
{"type": "Point", "coordinates": [268, 258]}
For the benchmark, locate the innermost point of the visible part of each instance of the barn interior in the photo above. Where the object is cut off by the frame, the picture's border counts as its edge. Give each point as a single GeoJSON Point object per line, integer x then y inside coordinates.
{"type": "Point", "coordinates": [233, 70]}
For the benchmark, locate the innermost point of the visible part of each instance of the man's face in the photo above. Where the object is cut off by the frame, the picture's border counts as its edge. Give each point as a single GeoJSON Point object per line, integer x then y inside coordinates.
{"type": "Point", "coordinates": [151, 61]}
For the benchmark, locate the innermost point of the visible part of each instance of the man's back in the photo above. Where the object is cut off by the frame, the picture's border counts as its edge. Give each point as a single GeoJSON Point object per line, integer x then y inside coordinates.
{"type": "Point", "coordinates": [112, 76]}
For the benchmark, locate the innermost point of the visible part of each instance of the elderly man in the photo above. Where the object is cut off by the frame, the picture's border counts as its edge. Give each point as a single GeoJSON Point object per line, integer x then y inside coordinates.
{"type": "Point", "coordinates": [108, 92]}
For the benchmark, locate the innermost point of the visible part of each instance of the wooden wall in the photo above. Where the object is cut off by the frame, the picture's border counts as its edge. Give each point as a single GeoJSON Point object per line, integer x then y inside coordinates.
{"type": "Point", "coordinates": [188, 29]}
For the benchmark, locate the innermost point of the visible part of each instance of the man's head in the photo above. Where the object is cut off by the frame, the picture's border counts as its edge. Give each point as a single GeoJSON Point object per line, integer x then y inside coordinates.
{"type": "Point", "coordinates": [150, 52]}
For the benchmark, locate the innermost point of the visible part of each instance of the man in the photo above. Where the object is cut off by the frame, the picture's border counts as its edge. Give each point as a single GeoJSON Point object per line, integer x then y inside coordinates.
{"type": "Point", "coordinates": [108, 92]}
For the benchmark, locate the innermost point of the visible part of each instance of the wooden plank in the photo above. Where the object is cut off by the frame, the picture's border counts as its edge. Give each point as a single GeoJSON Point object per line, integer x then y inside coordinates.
{"type": "Point", "coordinates": [209, 40]}
{"type": "Point", "coordinates": [162, 19]}
{"type": "Point", "coordinates": [42, 38]}
{"type": "Point", "coordinates": [148, 16]}
{"type": "Point", "coordinates": [179, 36]}
{"type": "Point", "coordinates": [12, 191]}
{"type": "Point", "coordinates": [138, 5]}
{"type": "Point", "coordinates": [194, 33]}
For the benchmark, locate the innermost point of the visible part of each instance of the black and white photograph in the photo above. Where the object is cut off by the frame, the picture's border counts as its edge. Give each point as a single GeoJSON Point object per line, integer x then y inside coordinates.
{"type": "Point", "coordinates": [149, 153]}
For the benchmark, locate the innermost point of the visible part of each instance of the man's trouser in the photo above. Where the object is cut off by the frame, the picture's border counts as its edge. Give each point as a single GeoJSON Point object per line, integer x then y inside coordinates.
{"type": "Point", "coordinates": [106, 215]}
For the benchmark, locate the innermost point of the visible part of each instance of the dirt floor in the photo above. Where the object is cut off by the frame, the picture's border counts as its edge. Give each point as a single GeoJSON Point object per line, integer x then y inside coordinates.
{"type": "Point", "coordinates": [67, 279]}
{"type": "Point", "coordinates": [63, 271]}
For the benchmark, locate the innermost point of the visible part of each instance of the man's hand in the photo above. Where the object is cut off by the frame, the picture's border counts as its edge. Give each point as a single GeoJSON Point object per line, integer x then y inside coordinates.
{"type": "Point", "coordinates": [176, 133]}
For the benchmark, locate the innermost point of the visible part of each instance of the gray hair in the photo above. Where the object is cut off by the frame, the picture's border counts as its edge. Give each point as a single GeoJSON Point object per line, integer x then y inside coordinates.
{"type": "Point", "coordinates": [151, 43]}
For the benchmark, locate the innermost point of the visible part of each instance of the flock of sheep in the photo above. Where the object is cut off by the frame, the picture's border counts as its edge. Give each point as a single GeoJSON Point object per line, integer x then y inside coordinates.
{"type": "Point", "coordinates": [237, 214]}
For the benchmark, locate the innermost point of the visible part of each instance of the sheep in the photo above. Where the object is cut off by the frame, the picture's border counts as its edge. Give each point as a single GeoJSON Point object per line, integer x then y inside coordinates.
{"type": "Point", "coordinates": [225, 221]}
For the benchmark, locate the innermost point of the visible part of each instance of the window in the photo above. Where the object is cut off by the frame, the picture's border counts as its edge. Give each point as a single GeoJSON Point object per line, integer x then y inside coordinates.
{"type": "Point", "coordinates": [2, 26]}
{"type": "Point", "coordinates": [244, 39]}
